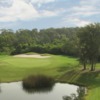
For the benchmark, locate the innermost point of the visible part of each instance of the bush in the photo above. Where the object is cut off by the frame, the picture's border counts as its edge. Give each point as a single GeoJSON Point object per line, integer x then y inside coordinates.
{"type": "Point", "coordinates": [38, 82]}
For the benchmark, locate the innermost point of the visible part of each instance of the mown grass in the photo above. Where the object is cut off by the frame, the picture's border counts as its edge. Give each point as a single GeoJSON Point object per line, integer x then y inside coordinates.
{"type": "Point", "coordinates": [16, 68]}
{"type": "Point", "coordinates": [62, 68]}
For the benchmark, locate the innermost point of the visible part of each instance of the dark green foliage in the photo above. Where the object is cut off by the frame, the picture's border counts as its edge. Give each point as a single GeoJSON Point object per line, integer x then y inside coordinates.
{"type": "Point", "coordinates": [83, 42]}
{"type": "Point", "coordinates": [37, 82]}
{"type": "Point", "coordinates": [7, 41]}
{"type": "Point", "coordinates": [89, 44]}
{"type": "Point", "coordinates": [55, 41]}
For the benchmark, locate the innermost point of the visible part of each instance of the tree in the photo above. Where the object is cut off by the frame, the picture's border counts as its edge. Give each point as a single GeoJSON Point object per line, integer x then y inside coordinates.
{"type": "Point", "coordinates": [89, 40]}
{"type": "Point", "coordinates": [7, 40]}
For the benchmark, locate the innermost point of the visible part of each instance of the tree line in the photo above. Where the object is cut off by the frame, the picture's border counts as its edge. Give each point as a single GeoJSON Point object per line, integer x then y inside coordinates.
{"type": "Point", "coordinates": [55, 41]}
{"type": "Point", "coordinates": [82, 42]}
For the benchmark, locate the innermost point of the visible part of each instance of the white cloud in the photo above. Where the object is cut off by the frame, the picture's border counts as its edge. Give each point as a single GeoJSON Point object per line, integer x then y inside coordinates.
{"type": "Point", "coordinates": [18, 11]}
{"type": "Point", "coordinates": [79, 22]}
{"type": "Point", "coordinates": [76, 21]}
{"type": "Point", "coordinates": [46, 13]}
{"type": "Point", "coordinates": [79, 14]}
{"type": "Point", "coordinates": [41, 1]}
{"type": "Point", "coordinates": [89, 2]}
{"type": "Point", "coordinates": [85, 11]}
{"type": "Point", "coordinates": [21, 10]}
{"type": "Point", "coordinates": [87, 8]}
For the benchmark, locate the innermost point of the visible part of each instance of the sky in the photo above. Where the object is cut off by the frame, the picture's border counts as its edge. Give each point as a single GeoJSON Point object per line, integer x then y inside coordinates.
{"type": "Point", "coordinates": [42, 14]}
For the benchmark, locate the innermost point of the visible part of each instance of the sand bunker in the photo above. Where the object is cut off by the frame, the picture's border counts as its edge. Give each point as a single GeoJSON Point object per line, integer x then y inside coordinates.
{"type": "Point", "coordinates": [31, 56]}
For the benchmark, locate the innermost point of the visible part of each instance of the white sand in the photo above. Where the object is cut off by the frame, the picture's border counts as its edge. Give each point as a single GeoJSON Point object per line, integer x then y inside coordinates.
{"type": "Point", "coordinates": [31, 56]}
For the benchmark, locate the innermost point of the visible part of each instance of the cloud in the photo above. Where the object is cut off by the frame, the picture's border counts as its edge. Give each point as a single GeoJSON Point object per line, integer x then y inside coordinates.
{"type": "Point", "coordinates": [5, 3]}
{"type": "Point", "coordinates": [80, 14]}
{"type": "Point", "coordinates": [80, 22]}
{"type": "Point", "coordinates": [76, 21]}
{"type": "Point", "coordinates": [18, 11]}
{"type": "Point", "coordinates": [86, 8]}
{"type": "Point", "coordinates": [22, 10]}
{"type": "Point", "coordinates": [89, 2]}
{"type": "Point", "coordinates": [41, 1]}
{"type": "Point", "coordinates": [46, 13]}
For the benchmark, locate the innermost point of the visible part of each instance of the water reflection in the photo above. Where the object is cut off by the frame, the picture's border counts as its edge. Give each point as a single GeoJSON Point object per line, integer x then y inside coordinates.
{"type": "Point", "coordinates": [15, 91]}
{"type": "Point", "coordinates": [38, 90]}
{"type": "Point", "coordinates": [80, 94]}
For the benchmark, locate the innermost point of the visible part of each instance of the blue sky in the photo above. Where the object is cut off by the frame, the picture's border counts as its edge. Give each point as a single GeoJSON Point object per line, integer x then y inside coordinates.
{"type": "Point", "coordinates": [41, 14]}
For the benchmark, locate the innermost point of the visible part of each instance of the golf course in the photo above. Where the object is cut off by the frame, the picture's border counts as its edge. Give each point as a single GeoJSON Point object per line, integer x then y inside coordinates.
{"type": "Point", "coordinates": [49, 49]}
{"type": "Point", "coordinates": [62, 68]}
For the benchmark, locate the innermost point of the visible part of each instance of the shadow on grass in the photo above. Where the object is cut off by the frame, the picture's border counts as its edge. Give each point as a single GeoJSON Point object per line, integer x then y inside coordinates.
{"type": "Point", "coordinates": [91, 79]}
{"type": "Point", "coordinates": [70, 76]}
{"type": "Point", "coordinates": [85, 78]}
{"type": "Point", "coordinates": [64, 68]}
{"type": "Point", "coordinates": [67, 67]}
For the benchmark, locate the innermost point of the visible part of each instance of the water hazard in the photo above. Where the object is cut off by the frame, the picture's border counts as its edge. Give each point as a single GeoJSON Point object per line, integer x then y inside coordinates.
{"type": "Point", "coordinates": [60, 91]}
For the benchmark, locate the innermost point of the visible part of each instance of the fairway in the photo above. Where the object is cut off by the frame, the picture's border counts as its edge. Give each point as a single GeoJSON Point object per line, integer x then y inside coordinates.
{"type": "Point", "coordinates": [16, 68]}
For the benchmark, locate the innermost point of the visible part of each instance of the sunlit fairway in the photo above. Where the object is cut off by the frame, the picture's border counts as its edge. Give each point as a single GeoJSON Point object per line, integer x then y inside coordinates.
{"type": "Point", "coordinates": [15, 68]}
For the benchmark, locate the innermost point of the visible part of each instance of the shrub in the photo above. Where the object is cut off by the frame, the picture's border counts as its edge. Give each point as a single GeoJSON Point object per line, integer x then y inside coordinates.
{"type": "Point", "coordinates": [38, 82]}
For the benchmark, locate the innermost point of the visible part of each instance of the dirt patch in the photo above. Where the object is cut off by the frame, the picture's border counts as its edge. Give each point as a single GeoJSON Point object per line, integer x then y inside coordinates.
{"type": "Point", "coordinates": [31, 56]}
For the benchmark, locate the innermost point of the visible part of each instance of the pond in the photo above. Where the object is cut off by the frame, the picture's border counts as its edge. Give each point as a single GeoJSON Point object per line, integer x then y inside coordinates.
{"type": "Point", "coordinates": [15, 91]}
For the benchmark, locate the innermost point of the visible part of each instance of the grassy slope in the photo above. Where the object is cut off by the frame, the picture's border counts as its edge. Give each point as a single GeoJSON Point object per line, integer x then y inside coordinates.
{"type": "Point", "coordinates": [61, 67]}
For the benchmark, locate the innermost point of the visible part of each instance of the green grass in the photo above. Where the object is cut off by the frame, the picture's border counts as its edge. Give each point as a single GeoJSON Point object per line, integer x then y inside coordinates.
{"type": "Point", "coordinates": [16, 68]}
{"type": "Point", "coordinates": [63, 68]}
